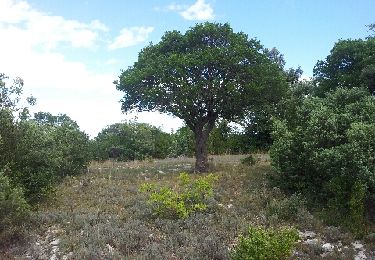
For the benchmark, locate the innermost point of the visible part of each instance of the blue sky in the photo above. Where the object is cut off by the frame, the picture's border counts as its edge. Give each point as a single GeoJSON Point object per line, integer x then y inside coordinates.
{"type": "Point", "coordinates": [69, 52]}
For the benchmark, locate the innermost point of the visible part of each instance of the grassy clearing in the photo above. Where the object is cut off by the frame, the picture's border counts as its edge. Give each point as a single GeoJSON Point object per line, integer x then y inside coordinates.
{"type": "Point", "coordinates": [102, 215]}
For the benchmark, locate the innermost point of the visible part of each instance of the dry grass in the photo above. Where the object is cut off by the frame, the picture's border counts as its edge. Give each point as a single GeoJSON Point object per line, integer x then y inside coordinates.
{"type": "Point", "coordinates": [102, 215]}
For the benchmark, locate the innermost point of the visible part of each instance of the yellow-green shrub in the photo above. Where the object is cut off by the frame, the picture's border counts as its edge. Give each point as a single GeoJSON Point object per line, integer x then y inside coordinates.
{"type": "Point", "coordinates": [268, 244]}
{"type": "Point", "coordinates": [190, 196]}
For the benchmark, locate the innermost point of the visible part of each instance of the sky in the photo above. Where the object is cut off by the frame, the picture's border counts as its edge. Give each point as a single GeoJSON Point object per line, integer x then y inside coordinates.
{"type": "Point", "coordinates": [69, 52]}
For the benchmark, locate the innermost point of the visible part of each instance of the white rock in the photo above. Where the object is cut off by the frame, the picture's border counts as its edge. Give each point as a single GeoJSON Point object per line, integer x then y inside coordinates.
{"type": "Point", "coordinates": [328, 247]}
{"type": "Point", "coordinates": [313, 241]}
{"type": "Point", "coordinates": [68, 256]}
{"type": "Point", "coordinates": [161, 172]}
{"type": "Point", "coordinates": [55, 242]}
{"type": "Point", "coordinates": [110, 248]}
{"type": "Point", "coordinates": [360, 256]}
{"type": "Point", "coordinates": [230, 206]}
{"type": "Point", "coordinates": [357, 245]}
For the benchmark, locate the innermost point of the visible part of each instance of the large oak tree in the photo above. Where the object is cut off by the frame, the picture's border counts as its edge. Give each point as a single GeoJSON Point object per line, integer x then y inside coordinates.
{"type": "Point", "coordinates": [206, 74]}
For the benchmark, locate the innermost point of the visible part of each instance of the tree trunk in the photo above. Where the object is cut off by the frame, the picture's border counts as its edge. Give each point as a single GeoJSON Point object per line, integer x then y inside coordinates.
{"type": "Point", "coordinates": [201, 154]}
{"type": "Point", "coordinates": [202, 132]}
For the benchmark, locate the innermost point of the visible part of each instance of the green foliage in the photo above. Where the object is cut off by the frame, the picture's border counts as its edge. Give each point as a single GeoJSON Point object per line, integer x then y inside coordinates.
{"type": "Point", "coordinates": [131, 141]}
{"type": "Point", "coordinates": [190, 196]}
{"type": "Point", "coordinates": [208, 73]}
{"type": "Point", "coordinates": [14, 209]}
{"type": "Point", "coordinates": [357, 206]}
{"type": "Point", "coordinates": [183, 142]}
{"type": "Point", "coordinates": [287, 208]}
{"type": "Point", "coordinates": [36, 153]}
{"type": "Point", "coordinates": [349, 65]}
{"type": "Point", "coordinates": [327, 145]}
{"type": "Point", "coordinates": [249, 160]}
{"type": "Point", "coordinates": [265, 244]}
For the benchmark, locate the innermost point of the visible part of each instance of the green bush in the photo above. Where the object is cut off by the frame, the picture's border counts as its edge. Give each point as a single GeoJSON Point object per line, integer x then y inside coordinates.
{"type": "Point", "coordinates": [190, 196]}
{"type": "Point", "coordinates": [131, 141]}
{"type": "Point", "coordinates": [14, 209]}
{"type": "Point", "coordinates": [287, 208]}
{"type": "Point", "coordinates": [249, 160]}
{"type": "Point", "coordinates": [268, 244]}
{"type": "Point", "coordinates": [326, 146]}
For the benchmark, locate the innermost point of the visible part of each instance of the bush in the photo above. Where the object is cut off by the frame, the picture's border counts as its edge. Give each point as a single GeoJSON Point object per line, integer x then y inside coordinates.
{"type": "Point", "coordinates": [131, 141]}
{"type": "Point", "coordinates": [249, 160]}
{"type": "Point", "coordinates": [268, 244]}
{"type": "Point", "coordinates": [287, 209]}
{"type": "Point", "coordinates": [189, 197]}
{"type": "Point", "coordinates": [14, 209]}
{"type": "Point", "coordinates": [326, 147]}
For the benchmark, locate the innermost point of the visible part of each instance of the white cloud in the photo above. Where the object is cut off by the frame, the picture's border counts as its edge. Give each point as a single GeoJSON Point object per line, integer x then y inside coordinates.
{"type": "Point", "coordinates": [45, 30]}
{"type": "Point", "coordinates": [200, 10]}
{"type": "Point", "coordinates": [30, 47]}
{"type": "Point", "coordinates": [176, 7]}
{"type": "Point", "coordinates": [130, 37]}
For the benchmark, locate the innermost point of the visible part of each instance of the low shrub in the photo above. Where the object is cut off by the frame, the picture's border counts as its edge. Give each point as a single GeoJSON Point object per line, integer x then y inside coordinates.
{"type": "Point", "coordinates": [249, 160]}
{"type": "Point", "coordinates": [260, 243]}
{"type": "Point", "coordinates": [190, 196]}
{"type": "Point", "coordinates": [14, 209]}
{"type": "Point", "coordinates": [286, 209]}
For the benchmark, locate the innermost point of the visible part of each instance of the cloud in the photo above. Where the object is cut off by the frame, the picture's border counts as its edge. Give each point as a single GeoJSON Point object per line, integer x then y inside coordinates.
{"type": "Point", "coordinates": [33, 45]}
{"type": "Point", "coordinates": [47, 31]}
{"type": "Point", "coordinates": [197, 11]}
{"type": "Point", "coordinates": [30, 48]}
{"type": "Point", "coordinates": [130, 37]}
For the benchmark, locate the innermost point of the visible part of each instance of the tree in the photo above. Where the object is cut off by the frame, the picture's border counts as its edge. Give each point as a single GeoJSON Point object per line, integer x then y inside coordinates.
{"type": "Point", "coordinates": [350, 64]}
{"type": "Point", "coordinates": [372, 29]}
{"type": "Point", "coordinates": [131, 141]}
{"type": "Point", "coordinates": [206, 74]}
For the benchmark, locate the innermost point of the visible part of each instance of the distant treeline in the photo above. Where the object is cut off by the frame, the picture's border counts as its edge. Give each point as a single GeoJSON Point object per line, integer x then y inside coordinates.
{"type": "Point", "coordinates": [138, 141]}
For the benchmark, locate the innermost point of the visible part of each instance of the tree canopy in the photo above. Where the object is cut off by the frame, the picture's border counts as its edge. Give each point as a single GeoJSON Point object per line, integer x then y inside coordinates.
{"type": "Point", "coordinates": [350, 64]}
{"type": "Point", "coordinates": [210, 72]}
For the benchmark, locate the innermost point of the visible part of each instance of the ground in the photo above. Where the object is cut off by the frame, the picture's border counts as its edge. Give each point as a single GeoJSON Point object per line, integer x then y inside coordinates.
{"type": "Point", "coordinates": [102, 215]}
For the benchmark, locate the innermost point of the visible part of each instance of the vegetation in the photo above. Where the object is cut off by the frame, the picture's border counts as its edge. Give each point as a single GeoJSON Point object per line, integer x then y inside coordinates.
{"type": "Point", "coordinates": [326, 151]}
{"type": "Point", "coordinates": [191, 196]}
{"type": "Point", "coordinates": [131, 141]}
{"type": "Point", "coordinates": [351, 64]}
{"type": "Point", "coordinates": [14, 210]}
{"type": "Point", "coordinates": [35, 153]}
{"type": "Point", "coordinates": [140, 198]}
{"type": "Point", "coordinates": [266, 244]}
{"type": "Point", "coordinates": [209, 73]}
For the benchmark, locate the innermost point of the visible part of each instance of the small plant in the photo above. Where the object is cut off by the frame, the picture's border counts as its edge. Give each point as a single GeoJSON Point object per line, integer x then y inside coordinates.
{"type": "Point", "coordinates": [262, 243]}
{"type": "Point", "coordinates": [249, 160]}
{"type": "Point", "coordinates": [189, 197]}
{"type": "Point", "coordinates": [286, 209]}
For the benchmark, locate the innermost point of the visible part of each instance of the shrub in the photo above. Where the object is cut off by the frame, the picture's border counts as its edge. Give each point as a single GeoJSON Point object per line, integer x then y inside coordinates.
{"type": "Point", "coordinates": [131, 141]}
{"type": "Point", "coordinates": [249, 160]}
{"type": "Point", "coordinates": [287, 209]}
{"type": "Point", "coordinates": [267, 244]}
{"type": "Point", "coordinates": [14, 209]}
{"type": "Point", "coordinates": [326, 146]}
{"type": "Point", "coordinates": [189, 197]}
